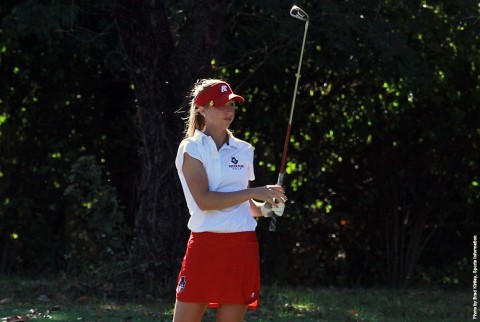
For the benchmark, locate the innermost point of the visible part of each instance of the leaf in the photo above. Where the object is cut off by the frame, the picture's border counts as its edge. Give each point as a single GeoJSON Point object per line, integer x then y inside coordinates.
{"type": "Point", "coordinates": [5, 301]}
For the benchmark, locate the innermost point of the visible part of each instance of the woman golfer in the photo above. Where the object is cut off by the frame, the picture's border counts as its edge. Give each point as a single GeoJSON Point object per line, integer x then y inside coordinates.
{"type": "Point", "coordinates": [221, 265]}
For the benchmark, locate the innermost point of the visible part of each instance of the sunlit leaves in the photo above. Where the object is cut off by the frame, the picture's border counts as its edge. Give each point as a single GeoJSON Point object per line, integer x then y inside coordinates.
{"type": "Point", "coordinates": [48, 63]}
{"type": "Point", "coordinates": [328, 208]}
{"type": "Point", "coordinates": [291, 166]}
{"type": "Point", "coordinates": [369, 139]}
{"type": "Point", "coordinates": [387, 106]}
{"type": "Point", "coordinates": [389, 80]}
{"type": "Point", "coordinates": [3, 118]}
{"type": "Point", "coordinates": [330, 135]}
{"type": "Point", "coordinates": [87, 204]}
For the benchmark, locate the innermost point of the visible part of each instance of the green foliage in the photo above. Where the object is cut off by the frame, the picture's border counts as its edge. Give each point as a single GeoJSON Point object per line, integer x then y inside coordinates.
{"type": "Point", "coordinates": [94, 220]}
{"type": "Point", "coordinates": [382, 132]}
{"type": "Point", "coordinates": [382, 173]}
{"type": "Point", "coordinates": [60, 101]}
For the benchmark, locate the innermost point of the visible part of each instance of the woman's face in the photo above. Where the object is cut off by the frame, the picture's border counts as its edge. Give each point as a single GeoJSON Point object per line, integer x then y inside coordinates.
{"type": "Point", "coordinates": [219, 116]}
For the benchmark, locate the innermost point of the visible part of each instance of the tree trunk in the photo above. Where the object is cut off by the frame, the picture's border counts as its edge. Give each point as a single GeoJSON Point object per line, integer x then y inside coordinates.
{"type": "Point", "coordinates": [161, 72]}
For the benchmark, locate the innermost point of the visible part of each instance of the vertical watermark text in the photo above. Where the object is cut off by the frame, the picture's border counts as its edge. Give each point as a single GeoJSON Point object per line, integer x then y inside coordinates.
{"type": "Point", "coordinates": [474, 281]}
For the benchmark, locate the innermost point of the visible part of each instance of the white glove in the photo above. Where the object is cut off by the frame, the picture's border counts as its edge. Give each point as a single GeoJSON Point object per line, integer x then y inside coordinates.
{"type": "Point", "coordinates": [267, 209]}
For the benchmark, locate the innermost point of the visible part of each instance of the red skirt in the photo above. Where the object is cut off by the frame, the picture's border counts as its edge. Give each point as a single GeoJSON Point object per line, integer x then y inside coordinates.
{"type": "Point", "coordinates": [220, 268]}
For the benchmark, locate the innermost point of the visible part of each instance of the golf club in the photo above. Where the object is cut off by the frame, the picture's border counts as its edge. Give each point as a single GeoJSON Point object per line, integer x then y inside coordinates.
{"type": "Point", "coordinates": [299, 14]}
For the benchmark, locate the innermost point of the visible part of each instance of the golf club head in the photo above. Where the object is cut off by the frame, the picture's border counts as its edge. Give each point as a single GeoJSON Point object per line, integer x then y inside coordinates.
{"type": "Point", "coordinates": [298, 13]}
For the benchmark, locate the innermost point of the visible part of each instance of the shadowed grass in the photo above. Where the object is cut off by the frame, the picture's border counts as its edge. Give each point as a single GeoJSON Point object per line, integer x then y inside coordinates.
{"type": "Point", "coordinates": [62, 302]}
{"type": "Point", "coordinates": [369, 305]}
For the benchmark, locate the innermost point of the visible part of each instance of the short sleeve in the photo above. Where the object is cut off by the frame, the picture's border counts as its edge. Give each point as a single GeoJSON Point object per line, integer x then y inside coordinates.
{"type": "Point", "coordinates": [190, 147]}
{"type": "Point", "coordinates": [251, 172]}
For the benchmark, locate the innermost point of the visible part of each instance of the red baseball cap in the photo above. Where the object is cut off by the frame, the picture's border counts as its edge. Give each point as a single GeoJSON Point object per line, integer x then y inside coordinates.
{"type": "Point", "coordinates": [217, 95]}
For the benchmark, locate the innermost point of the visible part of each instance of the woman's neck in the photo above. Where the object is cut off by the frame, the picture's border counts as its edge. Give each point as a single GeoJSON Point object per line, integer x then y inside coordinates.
{"type": "Point", "coordinates": [219, 136]}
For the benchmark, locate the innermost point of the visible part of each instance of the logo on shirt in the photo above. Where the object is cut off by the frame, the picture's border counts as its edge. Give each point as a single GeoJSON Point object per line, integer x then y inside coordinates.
{"type": "Point", "coordinates": [235, 165]}
{"type": "Point", "coordinates": [181, 284]}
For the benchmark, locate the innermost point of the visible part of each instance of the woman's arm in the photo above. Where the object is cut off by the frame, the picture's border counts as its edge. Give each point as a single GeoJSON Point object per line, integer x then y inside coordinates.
{"type": "Point", "coordinates": [197, 182]}
{"type": "Point", "coordinates": [255, 208]}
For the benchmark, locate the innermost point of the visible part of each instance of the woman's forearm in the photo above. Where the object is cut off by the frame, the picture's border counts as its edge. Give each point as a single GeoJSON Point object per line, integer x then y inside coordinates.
{"type": "Point", "coordinates": [214, 200]}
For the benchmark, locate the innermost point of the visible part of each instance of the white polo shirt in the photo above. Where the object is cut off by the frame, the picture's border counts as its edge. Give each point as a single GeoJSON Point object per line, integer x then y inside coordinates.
{"type": "Point", "coordinates": [228, 169]}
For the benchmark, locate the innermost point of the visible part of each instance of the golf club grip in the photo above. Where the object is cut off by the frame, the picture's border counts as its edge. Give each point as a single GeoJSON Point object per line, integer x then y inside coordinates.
{"type": "Point", "coordinates": [273, 220]}
{"type": "Point", "coordinates": [273, 223]}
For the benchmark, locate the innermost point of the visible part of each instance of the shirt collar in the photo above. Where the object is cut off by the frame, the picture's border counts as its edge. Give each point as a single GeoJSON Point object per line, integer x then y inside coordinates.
{"type": "Point", "coordinates": [231, 142]}
{"type": "Point", "coordinates": [199, 134]}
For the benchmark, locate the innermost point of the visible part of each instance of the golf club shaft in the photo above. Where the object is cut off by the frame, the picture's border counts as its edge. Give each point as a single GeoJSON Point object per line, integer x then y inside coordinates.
{"type": "Point", "coordinates": [273, 221]}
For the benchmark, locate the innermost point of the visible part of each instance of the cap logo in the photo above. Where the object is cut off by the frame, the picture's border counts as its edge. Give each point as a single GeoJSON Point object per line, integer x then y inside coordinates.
{"type": "Point", "coordinates": [216, 95]}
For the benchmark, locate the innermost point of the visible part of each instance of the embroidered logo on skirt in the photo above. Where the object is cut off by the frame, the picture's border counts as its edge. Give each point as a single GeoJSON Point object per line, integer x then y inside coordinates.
{"type": "Point", "coordinates": [181, 284]}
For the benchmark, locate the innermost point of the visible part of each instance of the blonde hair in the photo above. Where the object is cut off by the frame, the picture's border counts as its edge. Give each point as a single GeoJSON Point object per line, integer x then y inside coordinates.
{"type": "Point", "coordinates": [195, 120]}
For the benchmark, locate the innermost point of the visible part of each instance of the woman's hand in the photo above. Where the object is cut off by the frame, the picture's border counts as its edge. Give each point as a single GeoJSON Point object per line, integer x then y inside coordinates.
{"type": "Point", "coordinates": [271, 194]}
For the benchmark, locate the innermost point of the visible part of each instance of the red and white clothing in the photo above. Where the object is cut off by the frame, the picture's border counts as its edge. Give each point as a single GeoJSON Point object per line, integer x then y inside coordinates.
{"type": "Point", "coordinates": [228, 169]}
{"type": "Point", "coordinates": [220, 268]}
{"type": "Point", "coordinates": [221, 264]}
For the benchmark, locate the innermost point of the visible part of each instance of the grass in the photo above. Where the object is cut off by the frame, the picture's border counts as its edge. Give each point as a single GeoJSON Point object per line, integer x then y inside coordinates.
{"type": "Point", "coordinates": [36, 299]}
{"type": "Point", "coordinates": [371, 305]}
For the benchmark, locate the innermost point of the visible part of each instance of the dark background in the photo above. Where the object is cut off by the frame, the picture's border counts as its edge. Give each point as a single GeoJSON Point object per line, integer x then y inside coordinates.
{"type": "Point", "coordinates": [383, 167]}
